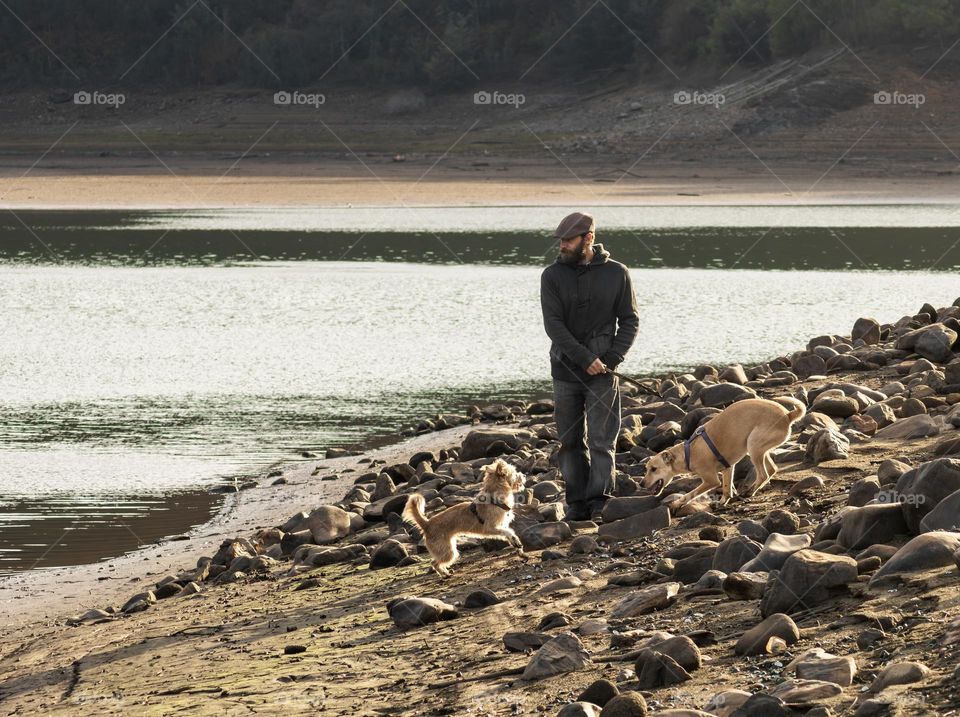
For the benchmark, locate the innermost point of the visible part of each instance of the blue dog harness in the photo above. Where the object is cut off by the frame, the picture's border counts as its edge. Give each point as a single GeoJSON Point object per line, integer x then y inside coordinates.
{"type": "Point", "coordinates": [701, 432]}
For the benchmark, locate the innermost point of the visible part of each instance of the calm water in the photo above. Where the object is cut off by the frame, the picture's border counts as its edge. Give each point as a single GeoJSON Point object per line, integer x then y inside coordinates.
{"type": "Point", "coordinates": [146, 357]}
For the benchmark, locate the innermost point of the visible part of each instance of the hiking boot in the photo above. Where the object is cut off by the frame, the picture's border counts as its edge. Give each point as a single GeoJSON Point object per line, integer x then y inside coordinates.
{"type": "Point", "coordinates": [576, 512]}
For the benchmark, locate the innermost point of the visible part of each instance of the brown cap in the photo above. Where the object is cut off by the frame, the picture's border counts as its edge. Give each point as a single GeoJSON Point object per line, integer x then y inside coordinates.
{"type": "Point", "coordinates": [573, 225]}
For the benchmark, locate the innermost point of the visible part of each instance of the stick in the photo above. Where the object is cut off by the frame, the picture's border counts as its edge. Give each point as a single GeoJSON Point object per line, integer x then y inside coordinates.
{"type": "Point", "coordinates": [486, 676]}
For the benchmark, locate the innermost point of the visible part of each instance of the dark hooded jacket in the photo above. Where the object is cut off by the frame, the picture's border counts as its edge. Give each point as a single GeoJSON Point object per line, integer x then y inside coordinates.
{"type": "Point", "coordinates": [589, 312]}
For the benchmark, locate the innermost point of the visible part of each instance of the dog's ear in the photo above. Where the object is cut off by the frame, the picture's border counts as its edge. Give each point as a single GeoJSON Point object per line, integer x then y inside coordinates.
{"type": "Point", "coordinates": [668, 458]}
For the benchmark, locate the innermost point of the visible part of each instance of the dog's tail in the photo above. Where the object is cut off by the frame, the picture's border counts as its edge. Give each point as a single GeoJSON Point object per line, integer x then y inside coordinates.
{"type": "Point", "coordinates": [413, 511]}
{"type": "Point", "coordinates": [794, 406]}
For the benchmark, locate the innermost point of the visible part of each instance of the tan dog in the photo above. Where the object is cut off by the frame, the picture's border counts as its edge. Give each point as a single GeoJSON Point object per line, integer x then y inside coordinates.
{"type": "Point", "coordinates": [753, 427]}
{"type": "Point", "coordinates": [488, 516]}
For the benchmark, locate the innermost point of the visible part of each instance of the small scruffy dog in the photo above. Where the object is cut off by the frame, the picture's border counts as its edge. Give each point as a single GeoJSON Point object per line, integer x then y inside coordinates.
{"type": "Point", "coordinates": [487, 516]}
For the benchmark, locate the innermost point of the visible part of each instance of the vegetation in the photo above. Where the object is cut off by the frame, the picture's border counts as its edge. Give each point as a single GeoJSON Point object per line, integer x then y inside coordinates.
{"type": "Point", "coordinates": [298, 43]}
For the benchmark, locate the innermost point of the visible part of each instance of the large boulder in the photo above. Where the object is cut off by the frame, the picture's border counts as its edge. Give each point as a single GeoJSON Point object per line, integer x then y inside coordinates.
{"type": "Point", "coordinates": [477, 442]}
{"type": "Point", "coordinates": [933, 342]}
{"type": "Point", "coordinates": [721, 395]}
{"type": "Point", "coordinates": [409, 612]}
{"type": "Point", "coordinates": [807, 579]}
{"type": "Point", "coordinates": [735, 552]}
{"type": "Point", "coordinates": [646, 600]}
{"type": "Point", "coordinates": [624, 507]}
{"type": "Point", "coordinates": [924, 552]}
{"type": "Point", "coordinates": [945, 516]}
{"type": "Point", "coordinates": [542, 535]}
{"type": "Point", "coordinates": [918, 426]}
{"type": "Point", "coordinates": [754, 641]}
{"type": "Point", "coordinates": [921, 489]}
{"type": "Point", "coordinates": [827, 445]}
{"type": "Point", "coordinates": [328, 523]}
{"type": "Point", "coordinates": [636, 526]}
{"type": "Point", "coordinates": [867, 330]}
{"type": "Point", "coordinates": [879, 523]}
{"type": "Point", "coordinates": [776, 549]}
{"type": "Point", "coordinates": [564, 653]}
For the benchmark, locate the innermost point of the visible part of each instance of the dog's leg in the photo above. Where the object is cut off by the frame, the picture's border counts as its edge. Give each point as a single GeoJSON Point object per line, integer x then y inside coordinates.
{"type": "Point", "coordinates": [706, 484]}
{"type": "Point", "coordinates": [444, 553]}
{"type": "Point", "coordinates": [728, 488]}
{"type": "Point", "coordinates": [760, 468]}
{"type": "Point", "coordinates": [511, 537]}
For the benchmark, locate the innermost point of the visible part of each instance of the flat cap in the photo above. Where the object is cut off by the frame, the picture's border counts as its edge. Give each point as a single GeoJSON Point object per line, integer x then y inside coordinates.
{"type": "Point", "coordinates": [573, 225]}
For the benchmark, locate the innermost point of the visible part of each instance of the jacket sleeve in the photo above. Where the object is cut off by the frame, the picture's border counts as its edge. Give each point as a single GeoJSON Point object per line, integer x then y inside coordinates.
{"type": "Point", "coordinates": [628, 323]}
{"type": "Point", "coordinates": [556, 329]}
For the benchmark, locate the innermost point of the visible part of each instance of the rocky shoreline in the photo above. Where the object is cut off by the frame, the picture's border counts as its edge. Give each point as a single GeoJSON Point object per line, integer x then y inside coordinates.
{"type": "Point", "coordinates": [835, 590]}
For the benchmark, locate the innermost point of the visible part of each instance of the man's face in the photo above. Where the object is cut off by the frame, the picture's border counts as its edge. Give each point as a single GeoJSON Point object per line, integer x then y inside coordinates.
{"type": "Point", "coordinates": [571, 250]}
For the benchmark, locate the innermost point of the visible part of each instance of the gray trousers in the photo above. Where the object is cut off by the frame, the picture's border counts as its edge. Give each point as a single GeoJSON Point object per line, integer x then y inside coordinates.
{"type": "Point", "coordinates": [586, 458]}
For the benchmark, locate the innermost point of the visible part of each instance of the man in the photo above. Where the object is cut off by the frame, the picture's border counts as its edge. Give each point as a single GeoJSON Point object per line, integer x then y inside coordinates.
{"type": "Point", "coordinates": [590, 314]}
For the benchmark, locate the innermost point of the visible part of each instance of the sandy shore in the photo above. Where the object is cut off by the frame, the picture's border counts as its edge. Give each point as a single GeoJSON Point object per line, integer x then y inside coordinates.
{"type": "Point", "coordinates": [183, 182]}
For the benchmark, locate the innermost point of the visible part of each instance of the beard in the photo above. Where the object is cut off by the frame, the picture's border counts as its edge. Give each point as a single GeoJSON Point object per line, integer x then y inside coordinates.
{"type": "Point", "coordinates": [574, 256]}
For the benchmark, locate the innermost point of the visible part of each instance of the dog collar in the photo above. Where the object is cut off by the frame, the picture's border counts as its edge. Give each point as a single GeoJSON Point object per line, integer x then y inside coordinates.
{"type": "Point", "coordinates": [494, 501]}
{"type": "Point", "coordinates": [701, 432]}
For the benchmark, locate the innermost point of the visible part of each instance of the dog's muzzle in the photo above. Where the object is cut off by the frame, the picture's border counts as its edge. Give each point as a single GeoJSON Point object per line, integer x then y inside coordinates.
{"type": "Point", "coordinates": [656, 487]}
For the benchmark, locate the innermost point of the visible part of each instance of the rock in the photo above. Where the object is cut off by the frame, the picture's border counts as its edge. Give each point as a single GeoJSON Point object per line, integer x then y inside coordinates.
{"type": "Point", "coordinates": [682, 649]}
{"type": "Point", "coordinates": [925, 552]}
{"type": "Point", "coordinates": [560, 584]}
{"type": "Point", "coordinates": [654, 597]}
{"type": "Point", "coordinates": [546, 491]}
{"type": "Point", "coordinates": [543, 535]}
{"type": "Point", "coordinates": [881, 414]}
{"type": "Point", "coordinates": [579, 709]}
{"type": "Point", "coordinates": [890, 471]}
{"type": "Point", "coordinates": [636, 526]}
{"type": "Point", "coordinates": [809, 484]}
{"type": "Point", "coordinates": [817, 664]}
{"type": "Point", "coordinates": [328, 523]}
{"type": "Point", "coordinates": [721, 395]}
{"type": "Point", "coordinates": [90, 616]}
{"type": "Point", "coordinates": [388, 554]}
{"type": "Point", "coordinates": [599, 692]}
{"type": "Point", "coordinates": [139, 602]}
{"type": "Point", "coordinates": [781, 521]}
{"type": "Point", "coordinates": [624, 507]}
{"type": "Point", "coordinates": [593, 627]}
{"type": "Point", "coordinates": [655, 669]}
{"type": "Point", "coordinates": [935, 342]}
{"type": "Point", "coordinates": [804, 692]}
{"type": "Point", "coordinates": [523, 641]}
{"type": "Point", "coordinates": [477, 442]}
{"type": "Point", "coordinates": [834, 405]}
{"type": "Point", "coordinates": [484, 597]}
{"type": "Point", "coordinates": [691, 569]}
{"type": "Point", "coordinates": [584, 545]}
{"type": "Point", "coordinates": [734, 374]}
{"type": "Point", "coordinates": [827, 445]}
{"type": "Point", "coordinates": [921, 489]}
{"type": "Point", "coordinates": [724, 704]}
{"type": "Point", "coordinates": [385, 487]}
{"type": "Point", "coordinates": [318, 556]}
{"type": "Point", "coordinates": [880, 523]}
{"type": "Point", "coordinates": [945, 516]}
{"type": "Point", "coordinates": [745, 586]}
{"type": "Point", "coordinates": [867, 330]}
{"type": "Point", "coordinates": [626, 704]}
{"type": "Point", "coordinates": [898, 673]}
{"type": "Point", "coordinates": [775, 552]}
{"type": "Point", "coordinates": [806, 580]}
{"type": "Point", "coordinates": [554, 620]}
{"type": "Point", "coordinates": [863, 491]}
{"type": "Point", "coordinates": [754, 641]}
{"type": "Point", "coordinates": [763, 705]}
{"type": "Point", "coordinates": [564, 653]}
{"type": "Point", "coordinates": [735, 552]}
{"type": "Point", "coordinates": [919, 426]}
{"type": "Point", "coordinates": [807, 365]}
{"type": "Point", "coordinates": [409, 612]}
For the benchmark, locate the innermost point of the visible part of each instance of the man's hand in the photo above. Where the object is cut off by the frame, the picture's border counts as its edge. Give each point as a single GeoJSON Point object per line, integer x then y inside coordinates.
{"type": "Point", "coordinates": [597, 367]}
